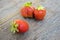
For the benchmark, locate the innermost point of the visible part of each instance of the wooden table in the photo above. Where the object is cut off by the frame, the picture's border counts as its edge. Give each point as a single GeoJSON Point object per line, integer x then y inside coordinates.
{"type": "Point", "coordinates": [48, 29]}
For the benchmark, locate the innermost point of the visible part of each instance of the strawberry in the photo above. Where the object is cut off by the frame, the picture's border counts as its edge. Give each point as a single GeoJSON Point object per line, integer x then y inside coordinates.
{"type": "Point", "coordinates": [27, 10]}
{"type": "Point", "coordinates": [19, 26]}
{"type": "Point", "coordinates": [40, 13]}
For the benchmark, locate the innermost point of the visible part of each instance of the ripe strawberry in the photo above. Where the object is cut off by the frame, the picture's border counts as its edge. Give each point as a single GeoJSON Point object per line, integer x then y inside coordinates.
{"type": "Point", "coordinates": [19, 26]}
{"type": "Point", "coordinates": [27, 10]}
{"type": "Point", "coordinates": [39, 13]}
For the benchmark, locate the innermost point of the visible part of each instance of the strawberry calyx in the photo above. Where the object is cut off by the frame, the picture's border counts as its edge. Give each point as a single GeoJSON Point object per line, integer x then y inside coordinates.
{"type": "Point", "coordinates": [14, 27]}
{"type": "Point", "coordinates": [40, 7]}
{"type": "Point", "coordinates": [28, 4]}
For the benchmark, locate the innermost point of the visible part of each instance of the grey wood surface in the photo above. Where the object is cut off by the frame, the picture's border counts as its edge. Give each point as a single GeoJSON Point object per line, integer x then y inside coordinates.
{"type": "Point", "coordinates": [48, 29]}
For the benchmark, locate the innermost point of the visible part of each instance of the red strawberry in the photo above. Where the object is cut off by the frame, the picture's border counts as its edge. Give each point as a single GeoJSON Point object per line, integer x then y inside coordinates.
{"type": "Point", "coordinates": [19, 26]}
{"type": "Point", "coordinates": [27, 10]}
{"type": "Point", "coordinates": [39, 13]}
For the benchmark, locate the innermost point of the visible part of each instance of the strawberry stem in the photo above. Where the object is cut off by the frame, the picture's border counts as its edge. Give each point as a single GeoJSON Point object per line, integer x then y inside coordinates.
{"type": "Point", "coordinates": [28, 4]}
{"type": "Point", "coordinates": [40, 7]}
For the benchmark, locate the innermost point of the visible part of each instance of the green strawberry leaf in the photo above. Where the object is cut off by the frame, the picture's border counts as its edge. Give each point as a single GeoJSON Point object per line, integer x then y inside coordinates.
{"type": "Point", "coordinates": [14, 27]}
{"type": "Point", "coordinates": [17, 30]}
{"type": "Point", "coordinates": [14, 31]}
{"type": "Point", "coordinates": [40, 7]}
{"type": "Point", "coordinates": [28, 4]}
